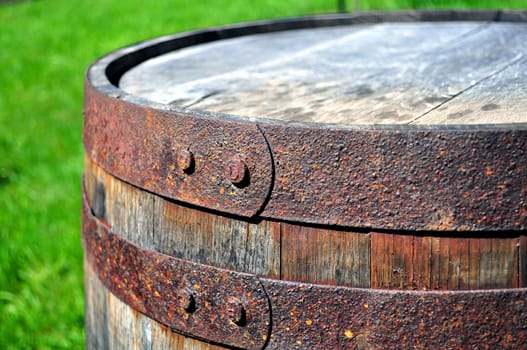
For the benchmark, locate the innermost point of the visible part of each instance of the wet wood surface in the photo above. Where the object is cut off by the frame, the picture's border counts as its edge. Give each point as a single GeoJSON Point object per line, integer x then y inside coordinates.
{"type": "Point", "coordinates": [390, 73]}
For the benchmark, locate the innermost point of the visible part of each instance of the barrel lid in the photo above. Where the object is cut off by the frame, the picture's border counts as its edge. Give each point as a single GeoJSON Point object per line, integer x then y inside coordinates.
{"type": "Point", "coordinates": [399, 120]}
{"type": "Point", "coordinates": [383, 73]}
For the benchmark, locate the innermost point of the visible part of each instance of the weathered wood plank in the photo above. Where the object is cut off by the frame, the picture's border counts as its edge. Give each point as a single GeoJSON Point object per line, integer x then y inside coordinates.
{"type": "Point", "coordinates": [219, 59]}
{"type": "Point", "coordinates": [215, 240]}
{"type": "Point", "coordinates": [392, 262]}
{"type": "Point", "coordinates": [262, 255]}
{"type": "Point", "coordinates": [325, 256]}
{"type": "Point", "coordinates": [440, 264]}
{"type": "Point", "coordinates": [129, 211]}
{"type": "Point", "coordinates": [362, 79]}
{"type": "Point", "coordinates": [403, 267]}
{"type": "Point", "coordinates": [474, 267]}
{"type": "Point", "coordinates": [458, 252]}
{"type": "Point", "coordinates": [95, 311]}
{"type": "Point", "coordinates": [504, 263]}
{"type": "Point", "coordinates": [446, 263]}
{"type": "Point", "coordinates": [422, 246]}
{"type": "Point", "coordinates": [393, 73]}
{"type": "Point", "coordinates": [127, 328]}
{"type": "Point", "coordinates": [187, 233]}
{"type": "Point", "coordinates": [500, 98]}
{"type": "Point", "coordinates": [200, 237]}
{"type": "Point", "coordinates": [381, 260]}
{"type": "Point", "coordinates": [522, 243]}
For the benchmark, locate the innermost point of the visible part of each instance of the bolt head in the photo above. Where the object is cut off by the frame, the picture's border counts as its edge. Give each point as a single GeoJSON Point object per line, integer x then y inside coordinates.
{"type": "Point", "coordinates": [237, 171]}
{"type": "Point", "coordinates": [185, 300]}
{"type": "Point", "coordinates": [236, 311]}
{"type": "Point", "coordinates": [185, 160]}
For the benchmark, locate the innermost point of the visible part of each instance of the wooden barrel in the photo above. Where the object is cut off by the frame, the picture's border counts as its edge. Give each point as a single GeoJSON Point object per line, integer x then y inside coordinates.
{"type": "Point", "coordinates": [344, 181]}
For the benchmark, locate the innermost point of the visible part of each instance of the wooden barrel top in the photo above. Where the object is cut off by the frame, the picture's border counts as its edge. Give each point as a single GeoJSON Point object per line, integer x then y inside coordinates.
{"type": "Point", "coordinates": [381, 73]}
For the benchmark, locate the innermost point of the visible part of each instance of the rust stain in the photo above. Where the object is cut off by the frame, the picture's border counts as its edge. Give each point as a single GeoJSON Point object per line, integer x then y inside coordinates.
{"type": "Point", "coordinates": [405, 319]}
{"type": "Point", "coordinates": [469, 179]}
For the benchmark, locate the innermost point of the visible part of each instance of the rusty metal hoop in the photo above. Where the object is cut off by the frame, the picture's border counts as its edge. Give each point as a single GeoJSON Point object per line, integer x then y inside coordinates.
{"type": "Point", "coordinates": [118, 124]}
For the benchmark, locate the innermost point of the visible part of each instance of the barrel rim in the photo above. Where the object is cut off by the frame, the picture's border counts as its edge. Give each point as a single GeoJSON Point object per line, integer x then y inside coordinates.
{"type": "Point", "coordinates": [411, 177]}
{"type": "Point", "coordinates": [105, 73]}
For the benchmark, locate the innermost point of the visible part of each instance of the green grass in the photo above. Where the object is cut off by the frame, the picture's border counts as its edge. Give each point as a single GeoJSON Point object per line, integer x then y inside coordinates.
{"type": "Point", "coordinates": [45, 47]}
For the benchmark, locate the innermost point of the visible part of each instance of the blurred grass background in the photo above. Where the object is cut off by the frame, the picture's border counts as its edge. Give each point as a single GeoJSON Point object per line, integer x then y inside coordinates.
{"type": "Point", "coordinates": [45, 48]}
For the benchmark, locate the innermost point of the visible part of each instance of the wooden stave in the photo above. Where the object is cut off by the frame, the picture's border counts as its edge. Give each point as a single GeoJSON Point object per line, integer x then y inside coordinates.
{"type": "Point", "coordinates": [110, 322]}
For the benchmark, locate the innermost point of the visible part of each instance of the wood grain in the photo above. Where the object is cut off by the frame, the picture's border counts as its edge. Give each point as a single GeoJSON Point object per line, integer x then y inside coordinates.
{"type": "Point", "coordinates": [154, 223]}
{"type": "Point", "coordinates": [495, 99]}
{"type": "Point", "coordinates": [95, 311]}
{"type": "Point", "coordinates": [387, 73]}
{"type": "Point", "coordinates": [302, 253]}
{"type": "Point", "coordinates": [325, 256]}
{"type": "Point", "coordinates": [117, 202]}
{"type": "Point", "coordinates": [522, 245]}
{"type": "Point", "coordinates": [262, 255]}
{"type": "Point", "coordinates": [288, 251]}
{"type": "Point", "coordinates": [207, 239]}
{"type": "Point", "coordinates": [443, 263]}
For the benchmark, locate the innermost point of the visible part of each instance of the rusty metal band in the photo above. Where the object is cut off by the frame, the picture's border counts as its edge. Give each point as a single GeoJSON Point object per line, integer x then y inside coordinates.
{"type": "Point", "coordinates": [216, 305]}
{"type": "Point", "coordinates": [244, 311]}
{"type": "Point", "coordinates": [187, 157]}
{"type": "Point", "coordinates": [316, 317]}
{"type": "Point", "coordinates": [411, 179]}
{"type": "Point", "coordinates": [465, 178]}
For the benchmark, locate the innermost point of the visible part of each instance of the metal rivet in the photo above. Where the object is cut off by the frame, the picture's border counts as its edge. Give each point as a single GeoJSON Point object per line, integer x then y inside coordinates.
{"type": "Point", "coordinates": [236, 311]}
{"type": "Point", "coordinates": [185, 300]}
{"type": "Point", "coordinates": [237, 171]}
{"type": "Point", "coordinates": [185, 160]}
